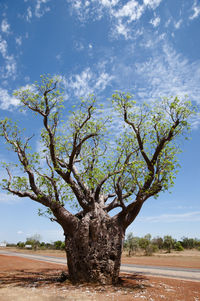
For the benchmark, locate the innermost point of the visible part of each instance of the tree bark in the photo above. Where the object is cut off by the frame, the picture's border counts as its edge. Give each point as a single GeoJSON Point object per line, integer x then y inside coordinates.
{"type": "Point", "coordinates": [94, 249]}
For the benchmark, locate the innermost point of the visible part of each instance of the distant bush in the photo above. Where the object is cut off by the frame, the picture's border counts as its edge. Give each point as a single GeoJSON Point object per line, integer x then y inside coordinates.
{"type": "Point", "coordinates": [178, 246]}
{"type": "Point", "coordinates": [20, 244]}
{"type": "Point", "coordinates": [150, 249]}
{"type": "Point", "coordinates": [149, 245]}
{"type": "Point", "coordinates": [168, 243]}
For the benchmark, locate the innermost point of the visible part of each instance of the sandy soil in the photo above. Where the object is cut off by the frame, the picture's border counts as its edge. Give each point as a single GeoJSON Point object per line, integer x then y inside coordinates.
{"type": "Point", "coordinates": [23, 279]}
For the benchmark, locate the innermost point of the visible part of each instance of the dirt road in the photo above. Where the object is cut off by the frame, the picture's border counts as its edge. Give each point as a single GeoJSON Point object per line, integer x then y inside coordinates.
{"type": "Point", "coordinates": [163, 271]}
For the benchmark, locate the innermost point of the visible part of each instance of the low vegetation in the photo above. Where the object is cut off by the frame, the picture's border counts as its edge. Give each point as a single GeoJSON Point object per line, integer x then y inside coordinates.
{"type": "Point", "coordinates": [149, 245]}
{"type": "Point", "coordinates": [133, 245]}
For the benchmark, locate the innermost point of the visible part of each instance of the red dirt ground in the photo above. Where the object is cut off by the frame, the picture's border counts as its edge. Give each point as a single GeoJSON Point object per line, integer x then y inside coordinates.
{"type": "Point", "coordinates": [25, 279]}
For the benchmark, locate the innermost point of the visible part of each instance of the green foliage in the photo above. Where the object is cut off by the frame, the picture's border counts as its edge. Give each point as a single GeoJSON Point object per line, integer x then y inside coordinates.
{"type": "Point", "coordinates": [154, 125]}
{"type": "Point", "coordinates": [178, 246]}
{"type": "Point", "coordinates": [146, 244]}
{"type": "Point", "coordinates": [131, 244]}
{"type": "Point", "coordinates": [190, 243]}
{"type": "Point", "coordinates": [59, 245]}
{"type": "Point", "coordinates": [80, 159]}
{"type": "Point", "coordinates": [168, 243]}
{"type": "Point", "coordinates": [150, 245]}
{"type": "Point", "coordinates": [20, 245]}
{"type": "Point", "coordinates": [158, 241]}
{"type": "Point", "coordinates": [35, 244]}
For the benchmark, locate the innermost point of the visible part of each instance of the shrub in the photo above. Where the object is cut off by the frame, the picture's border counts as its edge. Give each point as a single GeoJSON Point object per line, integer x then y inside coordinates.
{"type": "Point", "coordinates": [178, 246]}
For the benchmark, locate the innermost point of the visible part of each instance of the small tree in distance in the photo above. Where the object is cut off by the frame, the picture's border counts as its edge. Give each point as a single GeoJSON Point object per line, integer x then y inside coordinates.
{"type": "Point", "coordinates": [34, 241]}
{"type": "Point", "coordinates": [168, 243]}
{"type": "Point", "coordinates": [94, 174]}
{"type": "Point", "coordinates": [131, 244]}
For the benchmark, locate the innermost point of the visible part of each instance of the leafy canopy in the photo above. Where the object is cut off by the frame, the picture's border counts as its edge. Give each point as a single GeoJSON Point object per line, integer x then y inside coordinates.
{"type": "Point", "coordinates": [90, 157]}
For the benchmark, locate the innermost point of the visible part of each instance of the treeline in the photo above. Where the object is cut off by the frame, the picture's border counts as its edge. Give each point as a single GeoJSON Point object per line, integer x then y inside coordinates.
{"type": "Point", "coordinates": [132, 244]}
{"type": "Point", "coordinates": [36, 245]}
{"type": "Point", "coordinates": [149, 245]}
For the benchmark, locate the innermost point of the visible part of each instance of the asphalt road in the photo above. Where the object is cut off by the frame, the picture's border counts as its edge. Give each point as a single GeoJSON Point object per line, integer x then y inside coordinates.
{"type": "Point", "coordinates": [170, 272]}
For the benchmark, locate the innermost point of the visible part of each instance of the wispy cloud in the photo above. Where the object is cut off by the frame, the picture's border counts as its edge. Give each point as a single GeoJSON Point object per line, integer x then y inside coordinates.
{"type": "Point", "coordinates": [41, 8]}
{"type": "Point", "coordinates": [18, 40]}
{"type": "Point", "coordinates": [155, 22]}
{"type": "Point", "coordinates": [177, 24]}
{"type": "Point", "coordinates": [196, 10]}
{"type": "Point", "coordinates": [5, 26]}
{"type": "Point", "coordinates": [28, 15]}
{"type": "Point", "coordinates": [169, 73]}
{"type": "Point", "coordinates": [169, 218]}
{"type": "Point", "coordinates": [9, 67]}
{"type": "Point", "coordinates": [122, 14]}
{"type": "Point", "coordinates": [152, 3]}
{"type": "Point", "coordinates": [38, 9]}
{"type": "Point", "coordinates": [88, 82]}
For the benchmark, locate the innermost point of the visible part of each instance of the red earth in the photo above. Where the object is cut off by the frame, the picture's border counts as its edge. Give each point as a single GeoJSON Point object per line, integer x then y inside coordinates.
{"type": "Point", "coordinates": [22, 278]}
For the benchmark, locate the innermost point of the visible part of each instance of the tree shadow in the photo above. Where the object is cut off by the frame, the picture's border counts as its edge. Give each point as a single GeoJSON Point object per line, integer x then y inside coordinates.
{"type": "Point", "coordinates": [133, 281]}
{"type": "Point", "coordinates": [28, 278]}
{"type": "Point", "coordinates": [59, 278]}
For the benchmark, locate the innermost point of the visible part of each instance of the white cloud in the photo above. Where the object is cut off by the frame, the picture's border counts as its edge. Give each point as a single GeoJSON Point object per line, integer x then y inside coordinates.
{"type": "Point", "coordinates": [6, 100]}
{"type": "Point", "coordinates": [88, 82]}
{"type": "Point", "coordinates": [169, 218]}
{"type": "Point", "coordinates": [80, 83]}
{"type": "Point", "coordinates": [40, 10]}
{"type": "Point", "coordinates": [102, 81]}
{"type": "Point", "coordinates": [109, 3]}
{"type": "Point", "coordinates": [131, 10]}
{"type": "Point", "coordinates": [5, 26]}
{"type": "Point", "coordinates": [196, 10]}
{"type": "Point", "coordinates": [178, 24]}
{"type": "Point", "coordinates": [3, 47]}
{"type": "Point", "coordinates": [10, 67]}
{"type": "Point", "coordinates": [167, 23]}
{"type": "Point", "coordinates": [155, 22]}
{"type": "Point", "coordinates": [123, 30]}
{"type": "Point", "coordinates": [20, 232]}
{"type": "Point", "coordinates": [152, 3]}
{"type": "Point", "coordinates": [18, 40]}
{"type": "Point", "coordinates": [169, 73]}
{"type": "Point", "coordinates": [121, 13]}
{"type": "Point", "coordinates": [77, 4]}
{"type": "Point", "coordinates": [29, 14]}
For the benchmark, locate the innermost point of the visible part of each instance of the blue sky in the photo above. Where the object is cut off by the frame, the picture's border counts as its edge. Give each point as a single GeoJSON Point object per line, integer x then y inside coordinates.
{"type": "Point", "coordinates": [150, 48]}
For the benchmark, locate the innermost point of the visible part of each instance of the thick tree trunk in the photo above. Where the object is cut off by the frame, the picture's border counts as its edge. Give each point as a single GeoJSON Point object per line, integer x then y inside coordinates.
{"type": "Point", "coordinates": [94, 250]}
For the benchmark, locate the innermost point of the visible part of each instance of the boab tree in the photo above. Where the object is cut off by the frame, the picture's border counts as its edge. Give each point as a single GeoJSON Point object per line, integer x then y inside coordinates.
{"type": "Point", "coordinates": [83, 165]}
